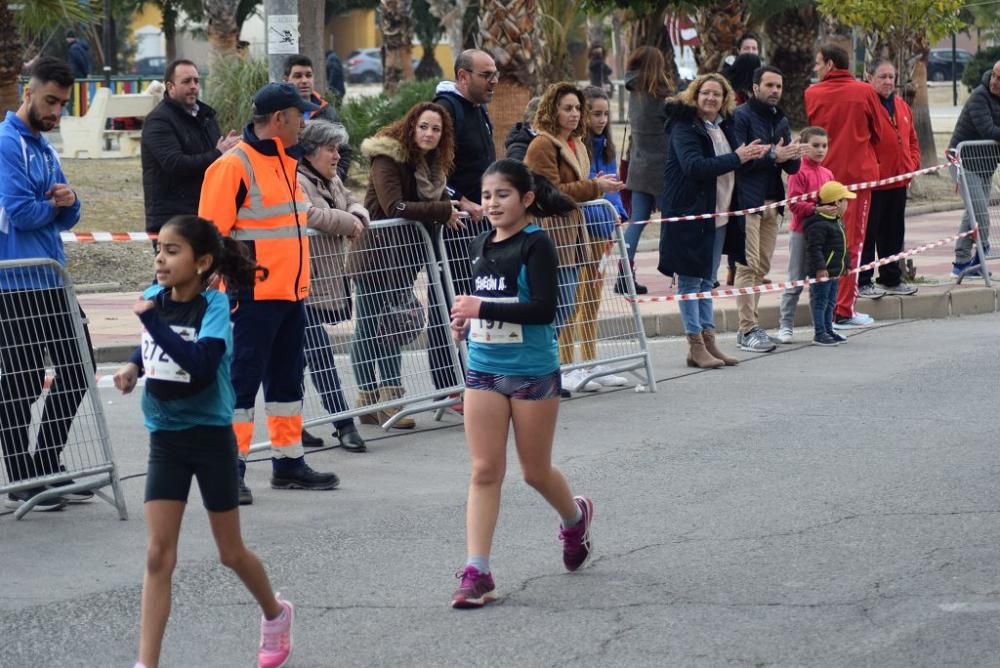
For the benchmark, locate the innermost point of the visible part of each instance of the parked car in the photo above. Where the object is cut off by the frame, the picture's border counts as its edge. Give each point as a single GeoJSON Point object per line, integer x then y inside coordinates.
{"type": "Point", "coordinates": [939, 64]}
{"type": "Point", "coordinates": [365, 66]}
{"type": "Point", "coordinates": [150, 67]}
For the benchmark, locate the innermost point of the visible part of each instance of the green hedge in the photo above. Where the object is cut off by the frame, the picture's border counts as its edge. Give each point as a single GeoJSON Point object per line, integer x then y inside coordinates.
{"type": "Point", "coordinates": [364, 116]}
{"type": "Point", "coordinates": [972, 75]}
{"type": "Point", "coordinates": [231, 85]}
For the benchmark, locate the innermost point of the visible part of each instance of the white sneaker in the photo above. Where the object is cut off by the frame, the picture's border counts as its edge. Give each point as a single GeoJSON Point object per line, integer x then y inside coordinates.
{"type": "Point", "coordinates": [574, 382]}
{"type": "Point", "coordinates": [608, 379]}
{"type": "Point", "coordinates": [854, 322]}
{"type": "Point", "coordinates": [784, 335]}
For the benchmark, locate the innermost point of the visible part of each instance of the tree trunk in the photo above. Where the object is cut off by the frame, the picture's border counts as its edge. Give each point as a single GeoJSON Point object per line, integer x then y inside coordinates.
{"type": "Point", "coordinates": [222, 30]}
{"type": "Point", "coordinates": [312, 22]}
{"type": "Point", "coordinates": [450, 13]}
{"type": "Point", "coordinates": [169, 27]}
{"type": "Point", "coordinates": [792, 38]}
{"type": "Point", "coordinates": [648, 30]}
{"type": "Point", "coordinates": [720, 26]}
{"type": "Point", "coordinates": [507, 31]}
{"type": "Point", "coordinates": [921, 110]}
{"type": "Point", "coordinates": [10, 59]}
{"type": "Point", "coordinates": [397, 38]}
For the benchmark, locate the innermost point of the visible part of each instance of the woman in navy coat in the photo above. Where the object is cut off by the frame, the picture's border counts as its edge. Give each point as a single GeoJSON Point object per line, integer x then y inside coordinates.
{"type": "Point", "coordinates": [700, 176]}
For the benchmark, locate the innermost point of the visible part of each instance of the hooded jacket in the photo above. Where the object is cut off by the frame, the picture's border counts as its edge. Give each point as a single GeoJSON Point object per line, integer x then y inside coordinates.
{"type": "Point", "coordinates": [760, 179]}
{"type": "Point", "coordinates": [849, 110]}
{"type": "Point", "coordinates": [569, 170]}
{"type": "Point", "coordinates": [691, 171]}
{"type": "Point", "coordinates": [598, 165]}
{"type": "Point", "coordinates": [29, 222]}
{"type": "Point", "coordinates": [392, 193]}
{"type": "Point", "coordinates": [177, 148]}
{"type": "Point", "coordinates": [79, 59]}
{"type": "Point", "coordinates": [474, 149]}
{"type": "Point", "coordinates": [826, 243]}
{"type": "Point", "coordinates": [518, 139]}
{"type": "Point", "coordinates": [980, 119]}
{"type": "Point", "coordinates": [898, 150]}
{"type": "Point", "coordinates": [648, 143]}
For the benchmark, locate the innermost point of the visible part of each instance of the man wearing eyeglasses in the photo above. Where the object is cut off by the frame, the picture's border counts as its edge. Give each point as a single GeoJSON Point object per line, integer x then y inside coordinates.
{"type": "Point", "coordinates": [465, 99]}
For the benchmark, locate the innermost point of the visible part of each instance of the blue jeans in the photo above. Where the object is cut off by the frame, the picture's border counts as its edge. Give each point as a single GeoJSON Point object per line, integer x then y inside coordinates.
{"type": "Point", "coordinates": [642, 208]}
{"type": "Point", "coordinates": [322, 366]}
{"type": "Point", "coordinates": [368, 350]}
{"type": "Point", "coordinates": [822, 299]}
{"type": "Point", "coordinates": [696, 313]}
{"type": "Point", "coordinates": [566, 304]}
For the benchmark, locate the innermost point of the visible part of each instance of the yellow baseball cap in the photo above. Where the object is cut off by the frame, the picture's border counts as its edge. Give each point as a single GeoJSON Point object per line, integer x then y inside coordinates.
{"type": "Point", "coordinates": [834, 191]}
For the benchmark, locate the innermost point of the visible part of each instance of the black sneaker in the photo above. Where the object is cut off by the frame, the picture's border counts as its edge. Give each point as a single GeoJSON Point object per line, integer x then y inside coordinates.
{"type": "Point", "coordinates": [839, 338]}
{"type": "Point", "coordinates": [17, 499]}
{"type": "Point", "coordinates": [351, 440]}
{"type": "Point", "coordinates": [310, 441]}
{"type": "Point", "coordinates": [304, 478]}
{"type": "Point", "coordinates": [825, 339]}
{"type": "Point", "coordinates": [246, 496]}
{"type": "Point", "coordinates": [621, 287]}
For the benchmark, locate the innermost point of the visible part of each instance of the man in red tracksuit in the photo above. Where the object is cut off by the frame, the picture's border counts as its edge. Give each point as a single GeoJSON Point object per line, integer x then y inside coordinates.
{"type": "Point", "coordinates": [849, 111]}
{"type": "Point", "coordinates": [898, 153]}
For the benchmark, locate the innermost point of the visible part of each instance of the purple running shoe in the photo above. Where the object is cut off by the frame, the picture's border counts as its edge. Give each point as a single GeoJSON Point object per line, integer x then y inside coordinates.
{"type": "Point", "coordinates": [477, 589]}
{"type": "Point", "coordinates": [577, 544]}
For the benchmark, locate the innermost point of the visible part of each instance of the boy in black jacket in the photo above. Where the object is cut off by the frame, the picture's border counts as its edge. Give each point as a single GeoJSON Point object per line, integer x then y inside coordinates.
{"type": "Point", "coordinates": [826, 246]}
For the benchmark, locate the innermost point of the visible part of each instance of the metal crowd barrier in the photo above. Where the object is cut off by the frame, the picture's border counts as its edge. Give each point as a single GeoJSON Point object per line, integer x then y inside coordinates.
{"type": "Point", "coordinates": [59, 444]}
{"type": "Point", "coordinates": [976, 175]}
{"type": "Point", "coordinates": [378, 334]}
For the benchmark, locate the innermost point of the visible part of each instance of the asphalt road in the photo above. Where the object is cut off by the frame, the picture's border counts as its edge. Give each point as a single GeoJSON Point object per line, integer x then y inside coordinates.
{"type": "Point", "coordinates": [817, 507]}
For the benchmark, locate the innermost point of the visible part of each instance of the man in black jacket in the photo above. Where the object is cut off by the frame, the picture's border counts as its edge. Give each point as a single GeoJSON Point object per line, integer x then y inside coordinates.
{"type": "Point", "coordinates": [180, 139]}
{"type": "Point", "coordinates": [465, 101]}
{"type": "Point", "coordinates": [759, 182]}
{"type": "Point", "coordinates": [980, 119]}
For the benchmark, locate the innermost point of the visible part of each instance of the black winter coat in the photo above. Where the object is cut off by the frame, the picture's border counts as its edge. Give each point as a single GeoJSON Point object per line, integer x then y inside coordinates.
{"type": "Point", "coordinates": [177, 148]}
{"type": "Point", "coordinates": [760, 179]}
{"type": "Point", "coordinates": [517, 141]}
{"type": "Point", "coordinates": [691, 172]}
{"type": "Point", "coordinates": [79, 59]}
{"type": "Point", "coordinates": [474, 150]}
{"type": "Point", "coordinates": [980, 119]}
{"type": "Point", "coordinates": [826, 244]}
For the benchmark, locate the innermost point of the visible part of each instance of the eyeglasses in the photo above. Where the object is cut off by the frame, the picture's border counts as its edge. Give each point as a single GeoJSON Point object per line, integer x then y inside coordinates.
{"type": "Point", "coordinates": [488, 76]}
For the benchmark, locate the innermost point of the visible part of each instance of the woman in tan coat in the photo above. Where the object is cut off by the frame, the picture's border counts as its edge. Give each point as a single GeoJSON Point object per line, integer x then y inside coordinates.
{"type": "Point", "coordinates": [336, 218]}
{"type": "Point", "coordinates": [559, 153]}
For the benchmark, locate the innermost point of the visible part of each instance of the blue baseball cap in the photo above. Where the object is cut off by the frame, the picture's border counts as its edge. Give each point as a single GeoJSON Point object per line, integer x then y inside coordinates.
{"type": "Point", "coordinates": [277, 96]}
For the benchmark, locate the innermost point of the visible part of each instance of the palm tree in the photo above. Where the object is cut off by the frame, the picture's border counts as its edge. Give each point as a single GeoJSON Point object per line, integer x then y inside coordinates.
{"type": "Point", "coordinates": [791, 37]}
{"type": "Point", "coordinates": [507, 31]}
{"type": "Point", "coordinates": [397, 40]}
{"type": "Point", "coordinates": [223, 30]}
{"type": "Point", "coordinates": [720, 24]}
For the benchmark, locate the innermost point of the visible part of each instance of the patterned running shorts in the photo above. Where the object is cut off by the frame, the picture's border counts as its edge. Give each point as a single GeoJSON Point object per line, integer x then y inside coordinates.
{"type": "Point", "coordinates": [530, 388]}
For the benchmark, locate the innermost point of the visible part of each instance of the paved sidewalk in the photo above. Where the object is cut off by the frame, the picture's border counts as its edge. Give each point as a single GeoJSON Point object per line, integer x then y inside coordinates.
{"type": "Point", "coordinates": [115, 329]}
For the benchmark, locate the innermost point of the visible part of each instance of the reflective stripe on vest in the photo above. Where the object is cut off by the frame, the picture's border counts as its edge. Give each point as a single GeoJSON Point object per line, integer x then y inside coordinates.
{"type": "Point", "coordinates": [285, 232]}
{"type": "Point", "coordinates": [255, 209]}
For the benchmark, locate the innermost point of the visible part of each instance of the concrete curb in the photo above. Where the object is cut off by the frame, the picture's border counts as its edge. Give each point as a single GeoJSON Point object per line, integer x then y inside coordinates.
{"type": "Point", "coordinates": [931, 303]}
{"type": "Point", "coordinates": [926, 305]}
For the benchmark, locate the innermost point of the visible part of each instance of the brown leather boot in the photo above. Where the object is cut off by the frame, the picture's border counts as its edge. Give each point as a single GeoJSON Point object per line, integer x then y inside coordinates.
{"type": "Point", "coordinates": [698, 356]}
{"type": "Point", "coordinates": [366, 398]}
{"type": "Point", "coordinates": [389, 393]}
{"type": "Point", "coordinates": [708, 336]}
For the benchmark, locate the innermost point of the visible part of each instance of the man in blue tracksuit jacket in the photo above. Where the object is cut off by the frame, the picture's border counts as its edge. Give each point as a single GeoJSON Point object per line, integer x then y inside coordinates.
{"type": "Point", "coordinates": [36, 204]}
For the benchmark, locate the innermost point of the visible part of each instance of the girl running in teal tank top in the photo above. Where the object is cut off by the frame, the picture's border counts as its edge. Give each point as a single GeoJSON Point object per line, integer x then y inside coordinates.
{"type": "Point", "coordinates": [513, 374]}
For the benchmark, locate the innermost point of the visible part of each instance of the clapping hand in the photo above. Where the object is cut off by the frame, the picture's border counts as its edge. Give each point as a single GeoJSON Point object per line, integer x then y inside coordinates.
{"type": "Point", "coordinates": [751, 151]}
{"type": "Point", "coordinates": [608, 183]}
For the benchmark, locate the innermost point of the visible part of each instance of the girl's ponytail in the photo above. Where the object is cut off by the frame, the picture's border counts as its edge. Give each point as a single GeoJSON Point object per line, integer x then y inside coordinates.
{"type": "Point", "coordinates": [234, 264]}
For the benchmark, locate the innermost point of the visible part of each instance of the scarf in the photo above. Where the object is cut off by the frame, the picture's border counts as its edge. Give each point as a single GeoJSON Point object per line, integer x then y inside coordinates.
{"type": "Point", "coordinates": [429, 185]}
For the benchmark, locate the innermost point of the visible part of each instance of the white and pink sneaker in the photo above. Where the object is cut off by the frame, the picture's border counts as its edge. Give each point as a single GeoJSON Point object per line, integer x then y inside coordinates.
{"type": "Point", "coordinates": [276, 638]}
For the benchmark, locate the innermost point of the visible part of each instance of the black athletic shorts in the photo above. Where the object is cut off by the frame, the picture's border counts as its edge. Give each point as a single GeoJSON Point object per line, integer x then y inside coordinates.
{"type": "Point", "coordinates": [206, 453]}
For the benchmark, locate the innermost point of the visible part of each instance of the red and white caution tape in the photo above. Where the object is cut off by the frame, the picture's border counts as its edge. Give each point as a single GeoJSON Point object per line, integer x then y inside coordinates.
{"type": "Point", "coordinates": [867, 185]}
{"type": "Point", "coordinates": [104, 237]}
{"type": "Point", "coordinates": [778, 287]}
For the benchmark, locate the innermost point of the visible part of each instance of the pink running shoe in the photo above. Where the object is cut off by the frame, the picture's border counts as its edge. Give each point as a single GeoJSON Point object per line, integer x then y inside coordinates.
{"type": "Point", "coordinates": [477, 589]}
{"type": "Point", "coordinates": [576, 541]}
{"type": "Point", "coordinates": [276, 638]}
